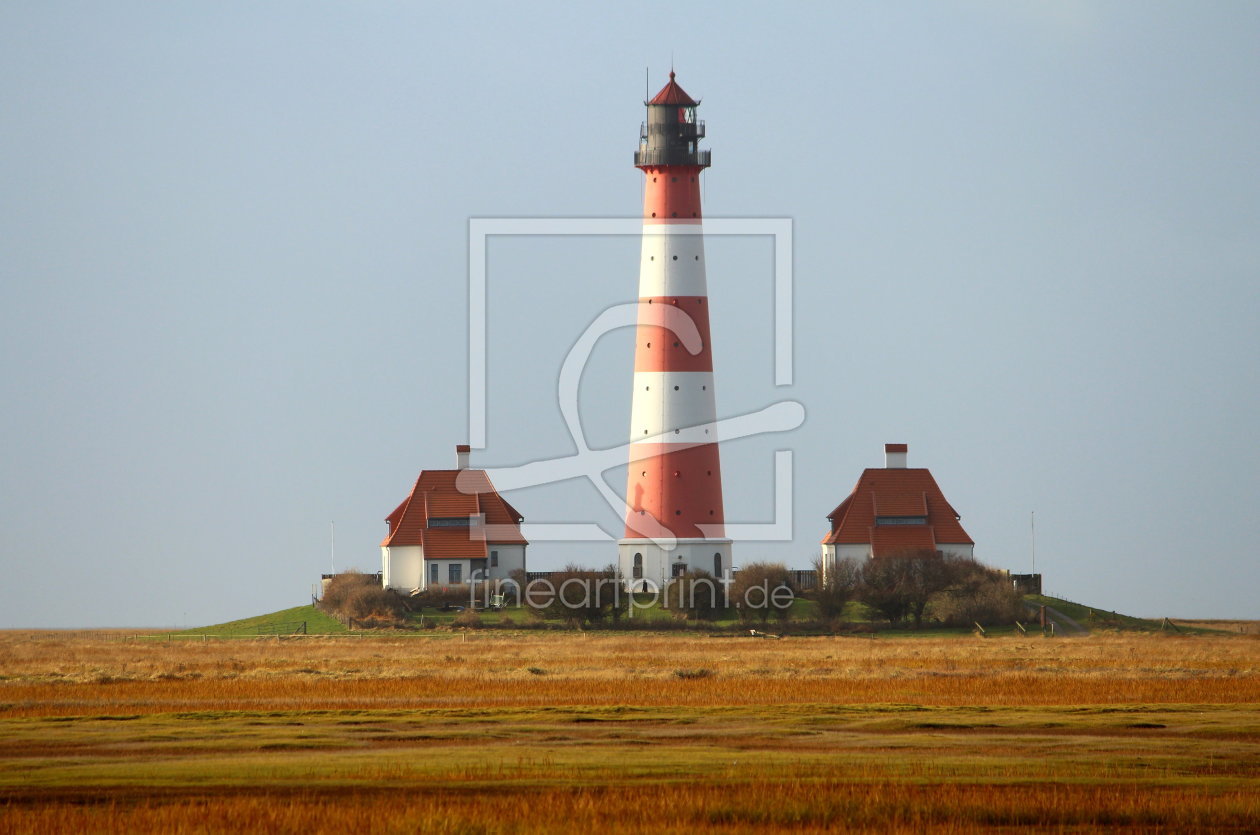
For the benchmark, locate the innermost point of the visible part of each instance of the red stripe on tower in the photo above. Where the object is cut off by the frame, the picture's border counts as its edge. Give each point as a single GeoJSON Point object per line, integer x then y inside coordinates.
{"type": "Point", "coordinates": [674, 520]}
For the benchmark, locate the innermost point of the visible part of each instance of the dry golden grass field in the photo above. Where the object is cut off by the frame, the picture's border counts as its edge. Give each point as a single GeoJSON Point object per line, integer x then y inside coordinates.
{"type": "Point", "coordinates": [624, 732]}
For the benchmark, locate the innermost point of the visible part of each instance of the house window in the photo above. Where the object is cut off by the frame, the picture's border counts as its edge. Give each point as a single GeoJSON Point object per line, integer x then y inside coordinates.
{"type": "Point", "coordinates": [638, 566]}
{"type": "Point", "coordinates": [433, 573]}
{"type": "Point", "coordinates": [717, 565]}
{"type": "Point", "coordinates": [900, 520]}
{"type": "Point", "coordinates": [680, 568]}
{"type": "Point", "coordinates": [494, 559]}
{"type": "Point", "coordinates": [454, 573]}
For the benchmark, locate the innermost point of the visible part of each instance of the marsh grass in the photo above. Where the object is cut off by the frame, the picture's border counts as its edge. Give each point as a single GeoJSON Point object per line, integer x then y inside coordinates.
{"type": "Point", "coordinates": [912, 734]}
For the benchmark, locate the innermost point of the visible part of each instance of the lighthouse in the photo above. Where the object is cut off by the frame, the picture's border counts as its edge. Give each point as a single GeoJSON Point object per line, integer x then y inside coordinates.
{"type": "Point", "coordinates": [674, 521]}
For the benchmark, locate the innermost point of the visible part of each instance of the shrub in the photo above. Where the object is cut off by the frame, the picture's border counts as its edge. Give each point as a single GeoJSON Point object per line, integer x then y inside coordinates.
{"type": "Point", "coordinates": [579, 596]}
{"type": "Point", "coordinates": [904, 583]}
{"type": "Point", "coordinates": [757, 591]}
{"type": "Point", "coordinates": [978, 594]}
{"type": "Point", "coordinates": [468, 619]}
{"type": "Point", "coordinates": [696, 595]}
{"type": "Point", "coordinates": [443, 597]}
{"type": "Point", "coordinates": [356, 596]}
{"type": "Point", "coordinates": [689, 674]}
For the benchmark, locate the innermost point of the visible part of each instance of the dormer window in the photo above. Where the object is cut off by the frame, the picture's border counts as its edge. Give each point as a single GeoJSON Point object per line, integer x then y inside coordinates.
{"type": "Point", "coordinates": [900, 520]}
{"type": "Point", "coordinates": [473, 521]}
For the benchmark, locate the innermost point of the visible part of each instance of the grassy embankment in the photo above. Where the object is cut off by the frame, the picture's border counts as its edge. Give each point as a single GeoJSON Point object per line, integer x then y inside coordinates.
{"type": "Point", "coordinates": [803, 610]}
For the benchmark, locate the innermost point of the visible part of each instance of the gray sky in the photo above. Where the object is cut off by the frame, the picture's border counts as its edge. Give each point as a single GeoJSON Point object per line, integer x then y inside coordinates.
{"type": "Point", "coordinates": [234, 292]}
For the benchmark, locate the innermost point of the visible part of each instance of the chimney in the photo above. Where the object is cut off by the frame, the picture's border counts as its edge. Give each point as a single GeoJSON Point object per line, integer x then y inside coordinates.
{"type": "Point", "coordinates": [895, 456]}
{"type": "Point", "coordinates": [461, 456]}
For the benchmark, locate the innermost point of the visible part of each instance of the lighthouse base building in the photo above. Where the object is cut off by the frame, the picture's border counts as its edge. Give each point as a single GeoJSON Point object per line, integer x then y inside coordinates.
{"type": "Point", "coordinates": [646, 565]}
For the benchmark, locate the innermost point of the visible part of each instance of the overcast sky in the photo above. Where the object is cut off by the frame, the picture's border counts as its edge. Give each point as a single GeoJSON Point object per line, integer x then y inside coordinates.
{"type": "Point", "coordinates": [234, 291]}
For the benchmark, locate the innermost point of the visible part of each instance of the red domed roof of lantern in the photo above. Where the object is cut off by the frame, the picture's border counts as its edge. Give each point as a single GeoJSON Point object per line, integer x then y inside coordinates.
{"type": "Point", "coordinates": [671, 93]}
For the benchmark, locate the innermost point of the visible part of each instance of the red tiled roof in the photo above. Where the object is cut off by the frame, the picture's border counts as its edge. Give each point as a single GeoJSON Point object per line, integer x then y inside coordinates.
{"type": "Point", "coordinates": [671, 93]}
{"type": "Point", "coordinates": [896, 447]}
{"type": "Point", "coordinates": [901, 505]}
{"type": "Point", "coordinates": [888, 539]}
{"type": "Point", "coordinates": [895, 491]}
{"type": "Point", "coordinates": [455, 543]}
{"type": "Point", "coordinates": [449, 504]}
{"type": "Point", "coordinates": [454, 494]}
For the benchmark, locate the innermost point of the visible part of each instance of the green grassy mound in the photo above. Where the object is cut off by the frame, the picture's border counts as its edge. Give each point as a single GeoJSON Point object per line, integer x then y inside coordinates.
{"type": "Point", "coordinates": [1092, 618]}
{"type": "Point", "coordinates": [315, 622]}
{"type": "Point", "coordinates": [283, 622]}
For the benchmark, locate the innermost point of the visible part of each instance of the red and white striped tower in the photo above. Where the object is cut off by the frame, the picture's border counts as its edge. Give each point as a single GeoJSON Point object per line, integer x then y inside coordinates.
{"type": "Point", "coordinates": [674, 520]}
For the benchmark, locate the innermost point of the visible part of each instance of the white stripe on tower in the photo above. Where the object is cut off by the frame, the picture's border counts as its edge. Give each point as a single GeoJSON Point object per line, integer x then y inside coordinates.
{"type": "Point", "coordinates": [674, 518]}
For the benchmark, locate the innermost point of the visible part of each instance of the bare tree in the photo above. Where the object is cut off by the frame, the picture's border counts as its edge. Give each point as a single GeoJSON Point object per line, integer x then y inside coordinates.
{"type": "Point", "coordinates": [883, 587]}
{"type": "Point", "coordinates": [839, 585]}
{"type": "Point", "coordinates": [927, 574]}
